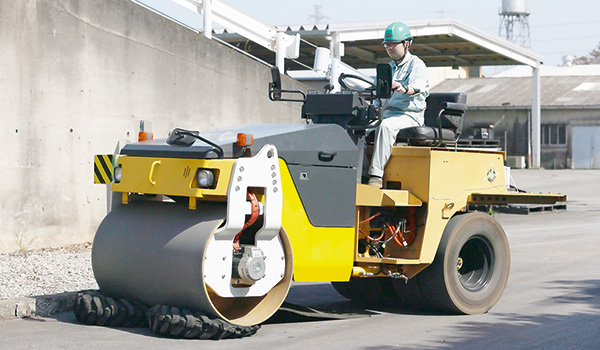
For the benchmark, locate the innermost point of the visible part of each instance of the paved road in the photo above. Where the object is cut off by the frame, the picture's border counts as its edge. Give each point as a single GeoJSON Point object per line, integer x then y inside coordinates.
{"type": "Point", "coordinates": [552, 299]}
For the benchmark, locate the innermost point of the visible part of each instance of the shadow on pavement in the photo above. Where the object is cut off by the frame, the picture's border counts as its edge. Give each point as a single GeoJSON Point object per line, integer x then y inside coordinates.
{"type": "Point", "coordinates": [319, 302]}
{"type": "Point", "coordinates": [576, 329]}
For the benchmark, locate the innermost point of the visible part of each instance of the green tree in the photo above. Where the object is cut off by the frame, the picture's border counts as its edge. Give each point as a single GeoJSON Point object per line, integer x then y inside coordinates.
{"type": "Point", "coordinates": [591, 58]}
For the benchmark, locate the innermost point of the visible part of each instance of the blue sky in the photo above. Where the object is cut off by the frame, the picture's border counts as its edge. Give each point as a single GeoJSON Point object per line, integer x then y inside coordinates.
{"type": "Point", "coordinates": [557, 27]}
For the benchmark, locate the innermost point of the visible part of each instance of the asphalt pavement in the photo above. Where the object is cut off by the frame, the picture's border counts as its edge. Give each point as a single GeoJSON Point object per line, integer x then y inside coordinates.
{"type": "Point", "coordinates": [552, 300]}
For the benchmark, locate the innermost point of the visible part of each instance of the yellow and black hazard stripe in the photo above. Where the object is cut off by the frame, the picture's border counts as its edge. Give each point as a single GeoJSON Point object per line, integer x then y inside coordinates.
{"type": "Point", "coordinates": [103, 168]}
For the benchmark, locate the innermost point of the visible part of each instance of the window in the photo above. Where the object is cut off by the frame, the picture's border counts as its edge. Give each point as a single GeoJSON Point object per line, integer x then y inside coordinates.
{"type": "Point", "coordinates": [554, 135]}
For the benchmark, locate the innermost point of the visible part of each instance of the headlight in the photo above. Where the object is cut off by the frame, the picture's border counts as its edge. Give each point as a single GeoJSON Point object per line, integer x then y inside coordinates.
{"type": "Point", "coordinates": [205, 178]}
{"type": "Point", "coordinates": [118, 173]}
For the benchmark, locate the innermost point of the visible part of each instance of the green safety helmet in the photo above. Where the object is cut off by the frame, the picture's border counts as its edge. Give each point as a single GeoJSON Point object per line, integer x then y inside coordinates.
{"type": "Point", "coordinates": [397, 32]}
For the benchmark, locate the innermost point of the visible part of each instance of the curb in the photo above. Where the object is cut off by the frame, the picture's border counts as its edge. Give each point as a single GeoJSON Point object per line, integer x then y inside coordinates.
{"type": "Point", "coordinates": [42, 305]}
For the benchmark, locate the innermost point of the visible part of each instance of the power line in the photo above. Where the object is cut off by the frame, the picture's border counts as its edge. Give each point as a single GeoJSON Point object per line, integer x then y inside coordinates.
{"type": "Point", "coordinates": [564, 24]}
{"type": "Point", "coordinates": [573, 52]}
{"type": "Point", "coordinates": [571, 38]}
{"type": "Point", "coordinates": [550, 25]}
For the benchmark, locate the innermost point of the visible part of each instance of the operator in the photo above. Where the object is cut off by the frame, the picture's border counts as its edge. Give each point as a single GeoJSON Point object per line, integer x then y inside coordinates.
{"type": "Point", "coordinates": [406, 106]}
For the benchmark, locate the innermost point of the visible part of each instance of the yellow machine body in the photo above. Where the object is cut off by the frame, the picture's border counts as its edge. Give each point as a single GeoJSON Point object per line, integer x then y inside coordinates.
{"type": "Point", "coordinates": [172, 176]}
{"type": "Point", "coordinates": [320, 253]}
{"type": "Point", "coordinates": [443, 180]}
{"type": "Point", "coordinates": [439, 182]}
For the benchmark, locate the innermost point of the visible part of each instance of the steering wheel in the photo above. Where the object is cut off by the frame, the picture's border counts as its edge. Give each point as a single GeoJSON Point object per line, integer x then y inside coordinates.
{"type": "Point", "coordinates": [371, 113]}
{"type": "Point", "coordinates": [344, 79]}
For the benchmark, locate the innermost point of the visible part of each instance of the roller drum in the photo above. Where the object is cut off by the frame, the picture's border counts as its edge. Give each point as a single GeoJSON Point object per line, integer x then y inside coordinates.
{"type": "Point", "coordinates": [154, 252]}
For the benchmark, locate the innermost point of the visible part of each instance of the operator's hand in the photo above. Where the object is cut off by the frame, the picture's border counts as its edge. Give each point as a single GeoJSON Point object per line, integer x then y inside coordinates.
{"type": "Point", "coordinates": [398, 87]}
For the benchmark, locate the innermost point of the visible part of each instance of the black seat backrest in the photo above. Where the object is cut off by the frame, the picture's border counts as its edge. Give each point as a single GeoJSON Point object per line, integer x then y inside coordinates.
{"type": "Point", "coordinates": [443, 121]}
{"type": "Point", "coordinates": [435, 103]}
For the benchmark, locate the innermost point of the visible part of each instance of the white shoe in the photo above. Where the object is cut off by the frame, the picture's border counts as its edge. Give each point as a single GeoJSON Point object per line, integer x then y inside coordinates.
{"type": "Point", "coordinates": [376, 181]}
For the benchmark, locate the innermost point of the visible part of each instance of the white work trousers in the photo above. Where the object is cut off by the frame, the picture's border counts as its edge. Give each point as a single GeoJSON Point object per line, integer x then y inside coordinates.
{"type": "Point", "coordinates": [385, 137]}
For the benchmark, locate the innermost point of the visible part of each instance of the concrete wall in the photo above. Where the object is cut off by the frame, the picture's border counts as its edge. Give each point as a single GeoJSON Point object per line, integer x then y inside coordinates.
{"type": "Point", "coordinates": [76, 77]}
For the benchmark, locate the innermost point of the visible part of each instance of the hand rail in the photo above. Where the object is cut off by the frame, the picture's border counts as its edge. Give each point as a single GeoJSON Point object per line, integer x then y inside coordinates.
{"type": "Point", "coordinates": [234, 20]}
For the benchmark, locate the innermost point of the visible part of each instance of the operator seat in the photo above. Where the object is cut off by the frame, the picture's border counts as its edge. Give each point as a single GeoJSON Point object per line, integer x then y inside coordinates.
{"type": "Point", "coordinates": [443, 121]}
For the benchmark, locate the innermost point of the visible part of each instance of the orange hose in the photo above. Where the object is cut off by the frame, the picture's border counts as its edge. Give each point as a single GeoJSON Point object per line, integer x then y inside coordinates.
{"type": "Point", "coordinates": [398, 237]}
{"type": "Point", "coordinates": [251, 220]}
{"type": "Point", "coordinates": [369, 219]}
{"type": "Point", "coordinates": [412, 229]}
{"type": "Point", "coordinates": [367, 236]}
{"type": "Point", "coordinates": [371, 238]}
{"type": "Point", "coordinates": [401, 241]}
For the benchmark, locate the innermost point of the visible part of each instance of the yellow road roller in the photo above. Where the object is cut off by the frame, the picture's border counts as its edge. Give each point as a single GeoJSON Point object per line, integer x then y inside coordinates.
{"type": "Point", "coordinates": [208, 231]}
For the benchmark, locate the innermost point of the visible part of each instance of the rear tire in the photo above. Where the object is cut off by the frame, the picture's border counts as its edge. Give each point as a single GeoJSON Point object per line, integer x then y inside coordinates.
{"type": "Point", "coordinates": [377, 290]}
{"type": "Point", "coordinates": [470, 269]}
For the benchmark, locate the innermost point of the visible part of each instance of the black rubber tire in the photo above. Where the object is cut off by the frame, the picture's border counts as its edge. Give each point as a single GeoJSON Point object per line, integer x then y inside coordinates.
{"type": "Point", "coordinates": [409, 295]}
{"type": "Point", "coordinates": [470, 269]}
{"type": "Point", "coordinates": [94, 308]}
{"type": "Point", "coordinates": [347, 289]}
{"type": "Point", "coordinates": [376, 290]}
{"type": "Point", "coordinates": [181, 323]}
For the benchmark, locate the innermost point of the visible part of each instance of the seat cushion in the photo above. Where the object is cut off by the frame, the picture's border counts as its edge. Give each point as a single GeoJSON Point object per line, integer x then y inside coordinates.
{"type": "Point", "coordinates": [424, 133]}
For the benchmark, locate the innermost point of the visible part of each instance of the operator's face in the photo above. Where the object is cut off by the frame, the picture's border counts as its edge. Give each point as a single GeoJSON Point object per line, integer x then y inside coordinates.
{"type": "Point", "coordinates": [396, 51]}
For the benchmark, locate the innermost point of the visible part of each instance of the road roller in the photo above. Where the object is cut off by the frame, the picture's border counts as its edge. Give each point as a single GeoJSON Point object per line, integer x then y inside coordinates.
{"type": "Point", "coordinates": [207, 231]}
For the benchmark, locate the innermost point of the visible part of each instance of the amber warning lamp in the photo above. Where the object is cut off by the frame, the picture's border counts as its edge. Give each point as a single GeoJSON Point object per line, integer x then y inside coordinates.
{"type": "Point", "coordinates": [145, 133]}
{"type": "Point", "coordinates": [244, 140]}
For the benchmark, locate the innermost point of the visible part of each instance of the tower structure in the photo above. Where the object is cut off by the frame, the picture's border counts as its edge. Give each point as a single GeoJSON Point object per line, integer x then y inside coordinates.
{"type": "Point", "coordinates": [514, 22]}
{"type": "Point", "coordinates": [318, 17]}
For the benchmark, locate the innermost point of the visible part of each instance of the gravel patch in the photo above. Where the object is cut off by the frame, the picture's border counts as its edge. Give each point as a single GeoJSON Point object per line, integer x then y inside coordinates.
{"type": "Point", "coordinates": [46, 271]}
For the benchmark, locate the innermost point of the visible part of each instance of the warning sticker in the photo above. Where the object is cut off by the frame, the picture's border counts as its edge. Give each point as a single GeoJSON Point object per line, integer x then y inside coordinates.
{"type": "Point", "coordinates": [103, 168]}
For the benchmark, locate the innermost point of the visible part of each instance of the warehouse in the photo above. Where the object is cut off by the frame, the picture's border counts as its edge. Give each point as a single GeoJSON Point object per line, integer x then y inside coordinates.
{"type": "Point", "coordinates": [500, 109]}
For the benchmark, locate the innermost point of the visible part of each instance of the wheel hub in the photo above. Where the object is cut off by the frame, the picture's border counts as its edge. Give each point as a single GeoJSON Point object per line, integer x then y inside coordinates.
{"type": "Point", "coordinates": [475, 263]}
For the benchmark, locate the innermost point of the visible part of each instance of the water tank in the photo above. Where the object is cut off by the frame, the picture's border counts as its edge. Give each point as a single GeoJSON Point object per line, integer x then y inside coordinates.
{"type": "Point", "coordinates": [514, 7]}
{"type": "Point", "coordinates": [568, 60]}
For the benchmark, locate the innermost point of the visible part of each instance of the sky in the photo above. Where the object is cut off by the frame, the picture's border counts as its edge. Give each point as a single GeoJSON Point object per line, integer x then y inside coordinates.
{"type": "Point", "coordinates": [557, 28]}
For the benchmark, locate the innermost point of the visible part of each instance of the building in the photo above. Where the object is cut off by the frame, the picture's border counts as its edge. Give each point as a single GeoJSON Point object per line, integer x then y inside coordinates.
{"type": "Point", "coordinates": [500, 108]}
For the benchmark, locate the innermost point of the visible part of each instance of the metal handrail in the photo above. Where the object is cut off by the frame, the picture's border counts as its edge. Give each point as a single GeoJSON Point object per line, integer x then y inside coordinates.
{"type": "Point", "coordinates": [232, 19]}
